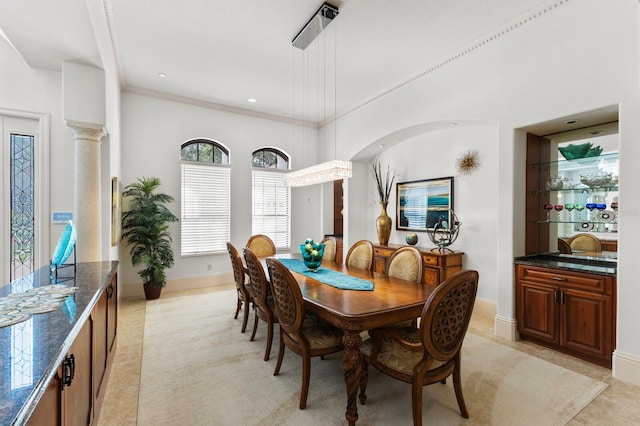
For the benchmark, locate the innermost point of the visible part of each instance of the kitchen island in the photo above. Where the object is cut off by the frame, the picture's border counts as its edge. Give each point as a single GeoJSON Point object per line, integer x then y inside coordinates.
{"type": "Point", "coordinates": [54, 366]}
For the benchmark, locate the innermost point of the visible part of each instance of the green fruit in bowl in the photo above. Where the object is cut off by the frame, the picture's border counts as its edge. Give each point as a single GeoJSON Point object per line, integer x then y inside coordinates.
{"type": "Point", "coordinates": [308, 241]}
{"type": "Point", "coordinates": [308, 247]}
{"type": "Point", "coordinates": [314, 254]}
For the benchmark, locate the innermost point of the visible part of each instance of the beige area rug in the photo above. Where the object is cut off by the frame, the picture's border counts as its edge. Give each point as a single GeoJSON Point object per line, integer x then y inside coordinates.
{"type": "Point", "coordinates": [198, 369]}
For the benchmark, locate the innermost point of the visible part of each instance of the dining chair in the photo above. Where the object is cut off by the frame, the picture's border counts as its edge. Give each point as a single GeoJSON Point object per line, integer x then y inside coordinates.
{"type": "Point", "coordinates": [306, 338]}
{"type": "Point", "coordinates": [244, 297]}
{"type": "Point", "coordinates": [360, 255]}
{"type": "Point", "coordinates": [563, 246]}
{"type": "Point", "coordinates": [585, 242]}
{"type": "Point", "coordinates": [329, 248]}
{"type": "Point", "coordinates": [405, 263]}
{"type": "Point", "coordinates": [431, 353]}
{"type": "Point", "coordinates": [261, 245]}
{"type": "Point", "coordinates": [262, 299]}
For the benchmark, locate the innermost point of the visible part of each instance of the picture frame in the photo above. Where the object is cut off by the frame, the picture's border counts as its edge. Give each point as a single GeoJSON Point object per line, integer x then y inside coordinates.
{"type": "Point", "coordinates": [116, 211]}
{"type": "Point", "coordinates": [421, 203]}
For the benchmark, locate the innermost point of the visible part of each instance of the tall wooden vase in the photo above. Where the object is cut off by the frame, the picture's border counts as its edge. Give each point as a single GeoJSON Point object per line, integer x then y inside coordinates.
{"type": "Point", "coordinates": [383, 225]}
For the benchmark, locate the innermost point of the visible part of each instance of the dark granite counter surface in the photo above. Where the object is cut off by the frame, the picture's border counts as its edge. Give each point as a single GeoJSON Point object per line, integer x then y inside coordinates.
{"type": "Point", "coordinates": [31, 351]}
{"type": "Point", "coordinates": [599, 265]}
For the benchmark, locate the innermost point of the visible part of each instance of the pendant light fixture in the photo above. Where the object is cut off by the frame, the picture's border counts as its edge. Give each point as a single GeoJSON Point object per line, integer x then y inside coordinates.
{"type": "Point", "coordinates": [334, 169]}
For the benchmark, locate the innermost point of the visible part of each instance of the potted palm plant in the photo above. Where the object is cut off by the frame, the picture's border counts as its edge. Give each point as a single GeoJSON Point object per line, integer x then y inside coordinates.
{"type": "Point", "coordinates": [145, 227]}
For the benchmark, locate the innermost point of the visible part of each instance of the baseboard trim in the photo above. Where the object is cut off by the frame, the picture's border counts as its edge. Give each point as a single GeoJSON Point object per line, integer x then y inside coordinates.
{"type": "Point", "coordinates": [135, 289]}
{"type": "Point", "coordinates": [506, 328]}
{"type": "Point", "coordinates": [626, 367]}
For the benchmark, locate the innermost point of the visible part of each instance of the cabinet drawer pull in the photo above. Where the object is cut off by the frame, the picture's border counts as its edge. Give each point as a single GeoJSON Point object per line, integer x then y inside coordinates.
{"type": "Point", "coordinates": [557, 278]}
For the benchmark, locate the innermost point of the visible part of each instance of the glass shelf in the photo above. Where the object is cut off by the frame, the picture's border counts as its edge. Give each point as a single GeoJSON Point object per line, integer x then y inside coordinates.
{"type": "Point", "coordinates": [577, 163]}
{"type": "Point", "coordinates": [585, 189]}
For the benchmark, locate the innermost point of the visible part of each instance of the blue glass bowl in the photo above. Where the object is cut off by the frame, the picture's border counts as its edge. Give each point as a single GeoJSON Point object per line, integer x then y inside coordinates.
{"type": "Point", "coordinates": [312, 255]}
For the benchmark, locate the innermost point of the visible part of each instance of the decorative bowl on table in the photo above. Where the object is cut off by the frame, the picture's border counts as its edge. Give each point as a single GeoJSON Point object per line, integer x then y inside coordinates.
{"type": "Point", "coordinates": [594, 180]}
{"type": "Point", "coordinates": [412, 238]}
{"type": "Point", "coordinates": [312, 254]}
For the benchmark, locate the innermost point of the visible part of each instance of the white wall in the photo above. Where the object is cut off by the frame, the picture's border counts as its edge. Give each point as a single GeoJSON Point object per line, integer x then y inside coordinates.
{"type": "Point", "coordinates": [578, 56]}
{"type": "Point", "coordinates": [152, 133]}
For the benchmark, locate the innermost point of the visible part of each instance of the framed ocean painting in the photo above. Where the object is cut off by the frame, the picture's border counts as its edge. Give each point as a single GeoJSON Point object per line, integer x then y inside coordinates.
{"type": "Point", "coordinates": [421, 203]}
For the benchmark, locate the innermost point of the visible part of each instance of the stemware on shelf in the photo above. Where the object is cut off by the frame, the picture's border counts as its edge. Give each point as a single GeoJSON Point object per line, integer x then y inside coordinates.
{"type": "Point", "coordinates": [590, 207]}
{"type": "Point", "coordinates": [614, 206]}
{"type": "Point", "coordinates": [569, 207]}
{"type": "Point", "coordinates": [548, 207]}
{"type": "Point", "coordinates": [558, 208]}
{"type": "Point", "coordinates": [579, 207]}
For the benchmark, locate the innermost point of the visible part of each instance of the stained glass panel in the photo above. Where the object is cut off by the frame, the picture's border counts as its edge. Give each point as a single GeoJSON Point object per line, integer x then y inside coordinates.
{"type": "Point", "coordinates": [22, 247]}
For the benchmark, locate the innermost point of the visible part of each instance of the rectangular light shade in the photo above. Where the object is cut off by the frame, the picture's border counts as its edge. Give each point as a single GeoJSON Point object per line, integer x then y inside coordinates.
{"type": "Point", "coordinates": [320, 173]}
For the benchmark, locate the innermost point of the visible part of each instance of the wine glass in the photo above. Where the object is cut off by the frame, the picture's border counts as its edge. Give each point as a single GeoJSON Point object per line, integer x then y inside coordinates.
{"type": "Point", "coordinates": [579, 207]}
{"type": "Point", "coordinates": [569, 207]}
{"type": "Point", "coordinates": [614, 206]}
{"type": "Point", "coordinates": [590, 207]}
{"type": "Point", "coordinates": [548, 207]}
{"type": "Point", "coordinates": [558, 208]}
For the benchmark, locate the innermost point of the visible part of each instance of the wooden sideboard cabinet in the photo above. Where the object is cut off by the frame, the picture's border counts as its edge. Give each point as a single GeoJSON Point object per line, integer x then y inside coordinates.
{"type": "Point", "coordinates": [572, 312]}
{"type": "Point", "coordinates": [75, 394]}
{"type": "Point", "coordinates": [437, 266]}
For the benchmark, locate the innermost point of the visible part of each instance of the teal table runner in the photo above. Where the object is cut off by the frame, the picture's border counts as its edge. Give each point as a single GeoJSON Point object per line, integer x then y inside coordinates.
{"type": "Point", "coordinates": [328, 276]}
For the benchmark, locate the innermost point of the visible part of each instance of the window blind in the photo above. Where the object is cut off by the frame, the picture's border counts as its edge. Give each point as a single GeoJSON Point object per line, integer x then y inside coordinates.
{"type": "Point", "coordinates": [271, 206]}
{"type": "Point", "coordinates": [205, 207]}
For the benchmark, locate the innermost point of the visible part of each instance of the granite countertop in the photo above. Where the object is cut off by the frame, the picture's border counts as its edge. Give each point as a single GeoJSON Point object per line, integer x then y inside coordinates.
{"type": "Point", "coordinates": [31, 351]}
{"type": "Point", "coordinates": [569, 262]}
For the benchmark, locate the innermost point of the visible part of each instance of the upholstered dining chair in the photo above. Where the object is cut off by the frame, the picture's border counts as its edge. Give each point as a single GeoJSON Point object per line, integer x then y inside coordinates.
{"type": "Point", "coordinates": [261, 245]}
{"type": "Point", "coordinates": [405, 263]}
{"type": "Point", "coordinates": [563, 246]}
{"type": "Point", "coordinates": [306, 338]}
{"type": "Point", "coordinates": [360, 255]}
{"type": "Point", "coordinates": [244, 297]}
{"type": "Point", "coordinates": [262, 299]}
{"type": "Point", "coordinates": [585, 242]}
{"type": "Point", "coordinates": [431, 353]}
{"type": "Point", "coordinates": [329, 248]}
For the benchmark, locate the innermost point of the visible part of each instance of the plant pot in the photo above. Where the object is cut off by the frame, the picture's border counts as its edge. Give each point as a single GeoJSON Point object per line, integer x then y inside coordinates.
{"type": "Point", "coordinates": [383, 225]}
{"type": "Point", "coordinates": [151, 292]}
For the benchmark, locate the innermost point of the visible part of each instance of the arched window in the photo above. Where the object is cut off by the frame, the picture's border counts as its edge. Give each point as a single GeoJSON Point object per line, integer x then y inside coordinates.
{"type": "Point", "coordinates": [206, 197]}
{"type": "Point", "coordinates": [204, 151]}
{"type": "Point", "coordinates": [270, 158]}
{"type": "Point", "coordinates": [271, 207]}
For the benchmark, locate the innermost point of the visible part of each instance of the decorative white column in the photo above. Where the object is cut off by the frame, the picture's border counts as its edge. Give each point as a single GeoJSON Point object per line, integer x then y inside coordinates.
{"type": "Point", "coordinates": [86, 182]}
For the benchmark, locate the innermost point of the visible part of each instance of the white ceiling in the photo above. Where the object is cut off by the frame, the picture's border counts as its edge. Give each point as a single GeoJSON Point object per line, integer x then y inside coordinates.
{"type": "Point", "coordinates": [228, 51]}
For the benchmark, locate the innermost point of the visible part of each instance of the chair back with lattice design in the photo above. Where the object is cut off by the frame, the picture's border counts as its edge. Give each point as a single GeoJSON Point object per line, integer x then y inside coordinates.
{"type": "Point", "coordinates": [360, 255]}
{"type": "Point", "coordinates": [405, 263]}
{"type": "Point", "coordinates": [446, 315]}
{"type": "Point", "coordinates": [259, 284]}
{"type": "Point", "coordinates": [236, 263]}
{"type": "Point", "coordinates": [261, 245]}
{"type": "Point", "coordinates": [287, 297]}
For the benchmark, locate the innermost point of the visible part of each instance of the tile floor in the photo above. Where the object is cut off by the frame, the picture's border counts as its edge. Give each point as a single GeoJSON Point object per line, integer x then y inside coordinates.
{"type": "Point", "coordinates": [619, 404]}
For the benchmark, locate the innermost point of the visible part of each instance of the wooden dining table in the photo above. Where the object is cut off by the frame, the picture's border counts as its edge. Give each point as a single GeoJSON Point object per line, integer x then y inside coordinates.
{"type": "Point", "coordinates": [391, 301]}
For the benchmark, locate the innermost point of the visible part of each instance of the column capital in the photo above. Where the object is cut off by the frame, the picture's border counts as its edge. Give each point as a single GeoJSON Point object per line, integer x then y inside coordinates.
{"type": "Point", "coordinates": [82, 130]}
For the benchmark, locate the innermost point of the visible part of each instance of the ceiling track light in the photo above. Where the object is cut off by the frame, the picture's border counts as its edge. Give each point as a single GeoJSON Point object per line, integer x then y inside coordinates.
{"type": "Point", "coordinates": [315, 25]}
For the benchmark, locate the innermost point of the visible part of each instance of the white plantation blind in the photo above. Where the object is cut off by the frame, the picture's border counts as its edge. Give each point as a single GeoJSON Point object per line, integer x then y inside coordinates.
{"type": "Point", "coordinates": [271, 206]}
{"type": "Point", "coordinates": [206, 208]}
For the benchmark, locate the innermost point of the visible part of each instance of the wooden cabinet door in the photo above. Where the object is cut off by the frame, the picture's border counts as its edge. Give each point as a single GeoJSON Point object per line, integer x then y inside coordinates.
{"type": "Point", "coordinates": [586, 323]}
{"type": "Point", "coordinates": [537, 311]}
{"type": "Point", "coordinates": [112, 313]}
{"type": "Point", "coordinates": [78, 397]}
{"type": "Point", "coordinates": [100, 350]}
{"type": "Point", "coordinates": [49, 408]}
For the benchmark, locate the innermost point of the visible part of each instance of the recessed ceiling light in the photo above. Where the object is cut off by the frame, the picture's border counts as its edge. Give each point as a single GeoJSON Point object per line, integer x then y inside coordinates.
{"type": "Point", "coordinates": [381, 145]}
{"type": "Point", "coordinates": [571, 122]}
{"type": "Point", "coordinates": [252, 100]}
{"type": "Point", "coordinates": [453, 124]}
{"type": "Point", "coordinates": [161, 74]}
